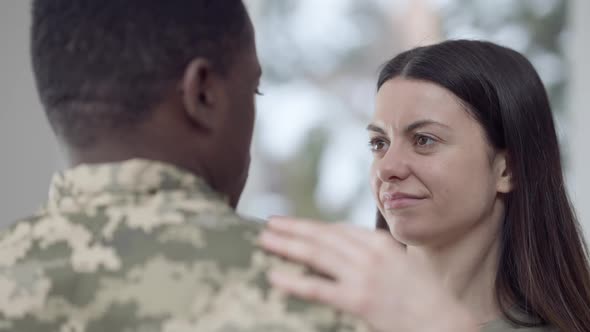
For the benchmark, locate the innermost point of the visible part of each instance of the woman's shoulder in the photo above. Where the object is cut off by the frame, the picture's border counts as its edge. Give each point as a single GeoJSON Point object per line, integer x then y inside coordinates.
{"type": "Point", "coordinates": [503, 325]}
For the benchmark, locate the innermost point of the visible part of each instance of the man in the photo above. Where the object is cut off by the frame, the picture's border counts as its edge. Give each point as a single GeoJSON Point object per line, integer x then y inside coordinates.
{"type": "Point", "coordinates": [153, 102]}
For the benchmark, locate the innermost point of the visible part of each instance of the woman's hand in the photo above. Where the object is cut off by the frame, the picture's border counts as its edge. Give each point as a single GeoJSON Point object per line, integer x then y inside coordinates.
{"type": "Point", "coordinates": [370, 276]}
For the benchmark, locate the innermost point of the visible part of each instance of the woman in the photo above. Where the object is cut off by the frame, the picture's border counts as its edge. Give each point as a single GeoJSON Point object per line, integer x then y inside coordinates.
{"type": "Point", "coordinates": [468, 182]}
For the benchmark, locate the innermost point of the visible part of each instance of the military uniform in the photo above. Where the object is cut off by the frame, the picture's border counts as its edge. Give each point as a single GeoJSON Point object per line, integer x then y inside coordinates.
{"type": "Point", "coordinates": [143, 246]}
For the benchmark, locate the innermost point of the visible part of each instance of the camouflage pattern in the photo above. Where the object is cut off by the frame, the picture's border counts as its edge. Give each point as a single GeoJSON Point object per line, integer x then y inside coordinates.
{"type": "Point", "coordinates": [143, 246]}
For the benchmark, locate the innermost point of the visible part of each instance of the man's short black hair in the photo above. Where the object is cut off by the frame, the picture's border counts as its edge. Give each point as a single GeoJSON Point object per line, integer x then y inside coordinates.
{"type": "Point", "coordinates": [105, 64]}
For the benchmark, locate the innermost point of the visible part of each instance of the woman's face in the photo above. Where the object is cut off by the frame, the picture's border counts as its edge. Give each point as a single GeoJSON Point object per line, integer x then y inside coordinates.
{"type": "Point", "coordinates": [434, 175]}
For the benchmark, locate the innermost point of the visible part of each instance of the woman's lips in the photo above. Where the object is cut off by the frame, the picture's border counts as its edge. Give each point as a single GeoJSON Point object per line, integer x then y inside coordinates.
{"type": "Point", "coordinates": [400, 200]}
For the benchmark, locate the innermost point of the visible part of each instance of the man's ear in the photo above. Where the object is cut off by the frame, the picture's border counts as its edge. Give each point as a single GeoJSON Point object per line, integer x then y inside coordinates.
{"type": "Point", "coordinates": [504, 182]}
{"type": "Point", "coordinates": [201, 93]}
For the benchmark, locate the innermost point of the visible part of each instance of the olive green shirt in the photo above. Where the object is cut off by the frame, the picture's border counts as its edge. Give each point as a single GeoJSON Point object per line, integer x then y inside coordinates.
{"type": "Point", "coordinates": [143, 246]}
{"type": "Point", "coordinates": [503, 325]}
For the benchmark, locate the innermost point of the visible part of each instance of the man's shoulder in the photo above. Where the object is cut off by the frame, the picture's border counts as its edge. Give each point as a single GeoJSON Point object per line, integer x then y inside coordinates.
{"type": "Point", "coordinates": [189, 269]}
{"type": "Point", "coordinates": [184, 231]}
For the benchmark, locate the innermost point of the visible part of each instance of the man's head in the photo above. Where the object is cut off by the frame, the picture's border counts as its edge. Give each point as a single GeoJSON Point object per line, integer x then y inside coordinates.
{"type": "Point", "coordinates": [172, 80]}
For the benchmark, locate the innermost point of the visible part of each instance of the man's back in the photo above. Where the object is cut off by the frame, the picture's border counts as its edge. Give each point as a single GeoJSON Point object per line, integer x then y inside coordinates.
{"type": "Point", "coordinates": [142, 246]}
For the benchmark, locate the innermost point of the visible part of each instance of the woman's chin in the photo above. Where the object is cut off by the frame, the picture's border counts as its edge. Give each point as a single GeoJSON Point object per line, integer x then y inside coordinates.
{"type": "Point", "coordinates": [412, 232]}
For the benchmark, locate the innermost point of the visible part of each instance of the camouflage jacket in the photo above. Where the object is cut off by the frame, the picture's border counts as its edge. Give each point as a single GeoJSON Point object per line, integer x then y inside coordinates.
{"type": "Point", "coordinates": [143, 246]}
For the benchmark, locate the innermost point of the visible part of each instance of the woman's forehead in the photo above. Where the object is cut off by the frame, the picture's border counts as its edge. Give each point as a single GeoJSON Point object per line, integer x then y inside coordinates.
{"type": "Point", "coordinates": [404, 101]}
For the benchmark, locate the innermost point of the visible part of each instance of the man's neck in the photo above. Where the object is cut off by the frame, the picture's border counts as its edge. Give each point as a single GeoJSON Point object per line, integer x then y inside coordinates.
{"type": "Point", "coordinates": [100, 155]}
{"type": "Point", "coordinates": [109, 152]}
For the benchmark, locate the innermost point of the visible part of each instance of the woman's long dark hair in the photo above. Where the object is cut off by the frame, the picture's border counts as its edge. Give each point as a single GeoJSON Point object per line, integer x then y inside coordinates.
{"type": "Point", "coordinates": [543, 265]}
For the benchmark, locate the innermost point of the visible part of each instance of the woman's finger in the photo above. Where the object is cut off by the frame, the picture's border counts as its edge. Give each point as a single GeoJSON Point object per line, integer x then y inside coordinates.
{"type": "Point", "coordinates": [353, 242]}
{"type": "Point", "coordinates": [322, 259]}
{"type": "Point", "coordinates": [327, 236]}
{"type": "Point", "coordinates": [312, 288]}
{"type": "Point", "coordinates": [374, 239]}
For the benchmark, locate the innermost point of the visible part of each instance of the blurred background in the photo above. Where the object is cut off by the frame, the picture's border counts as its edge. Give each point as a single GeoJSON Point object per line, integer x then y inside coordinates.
{"type": "Point", "coordinates": [320, 61]}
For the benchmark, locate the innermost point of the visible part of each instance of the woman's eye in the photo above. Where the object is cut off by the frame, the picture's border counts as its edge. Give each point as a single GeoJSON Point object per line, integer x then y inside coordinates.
{"type": "Point", "coordinates": [377, 144]}
{"type": "Point", "coordinates": [424, 141]}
